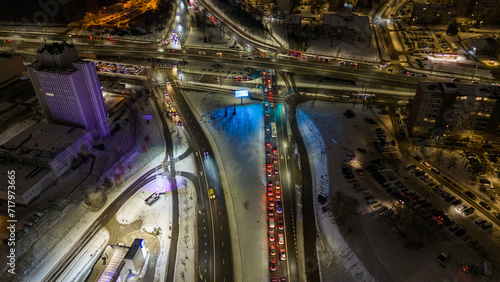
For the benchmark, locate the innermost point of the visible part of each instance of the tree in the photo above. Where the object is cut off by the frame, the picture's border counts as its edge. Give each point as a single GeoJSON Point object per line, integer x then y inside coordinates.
{"type": "Point", "coordinates": [452, 162]}
{"type": "Point", "coordinates": [321, 199]}
{"type": "Point", "coordinates": [108, 182]}
{"type": "Point", "coordinates": [438, 156]}
{"type": "Point", "coordinates": [349, 114]}
{"type": "Point", "coordinates": [452, 28]}
{"type": "Point", "coordinates": [343, 206]}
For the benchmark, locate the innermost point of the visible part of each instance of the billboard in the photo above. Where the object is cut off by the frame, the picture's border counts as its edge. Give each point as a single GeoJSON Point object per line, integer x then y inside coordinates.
{"type": "Point", "coordinates": [241, 93]}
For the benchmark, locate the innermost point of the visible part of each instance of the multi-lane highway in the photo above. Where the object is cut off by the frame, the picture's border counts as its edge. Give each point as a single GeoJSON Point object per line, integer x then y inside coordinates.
{"type": "Point", "coordinates": [215, 262]}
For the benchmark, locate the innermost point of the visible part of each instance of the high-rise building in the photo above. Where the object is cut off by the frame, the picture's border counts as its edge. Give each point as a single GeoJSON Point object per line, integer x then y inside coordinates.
{"type": "Point", "coordinates": [455, 111]}
{"type": "Point", "coordinates": [68, 89]}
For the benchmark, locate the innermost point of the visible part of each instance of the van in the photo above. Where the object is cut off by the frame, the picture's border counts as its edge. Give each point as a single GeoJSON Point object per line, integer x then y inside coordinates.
{"type": "Point", "coordinates": [487, 268]}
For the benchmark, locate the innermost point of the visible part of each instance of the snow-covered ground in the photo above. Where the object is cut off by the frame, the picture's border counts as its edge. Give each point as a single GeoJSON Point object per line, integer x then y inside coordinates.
{"type": "Point", "coordinates": [370, 249]}
{"type": "Point", "coordinates": [337, 261]}
{"type": "Point", "coordinates": [239, 139]}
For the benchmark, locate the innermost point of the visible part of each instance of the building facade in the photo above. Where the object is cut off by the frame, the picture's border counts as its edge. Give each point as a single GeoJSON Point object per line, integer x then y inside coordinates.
{"type": "Point", "coordinates": [68, 89]}
{"type": "Point", "coordinates": [432, 14]}
{"type": "Point", "coordinates": [455, 111]}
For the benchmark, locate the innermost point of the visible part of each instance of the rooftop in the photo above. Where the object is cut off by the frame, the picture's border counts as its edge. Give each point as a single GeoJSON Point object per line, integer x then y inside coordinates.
{"type": "Point", "coordinates": [46, 138]}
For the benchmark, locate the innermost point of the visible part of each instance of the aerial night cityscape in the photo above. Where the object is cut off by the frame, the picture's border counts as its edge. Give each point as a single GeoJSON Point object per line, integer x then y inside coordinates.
{"type": "Point", "coordinates": [250, 140]}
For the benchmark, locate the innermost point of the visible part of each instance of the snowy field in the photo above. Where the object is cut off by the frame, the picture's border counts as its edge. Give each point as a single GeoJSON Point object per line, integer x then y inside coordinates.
{"type": "Point", "coordinates": [240, 140]}
{"type": "Point", "coordinates": [370, 249]}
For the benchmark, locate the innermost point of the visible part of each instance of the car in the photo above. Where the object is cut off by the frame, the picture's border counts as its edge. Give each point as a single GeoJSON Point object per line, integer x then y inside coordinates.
{"type": "Point", "coordinates": [269, 173]}
{"type": "Point", "coordinates": [271, 201]}
{"type": "Point", "coordinates": [479, 221]}
{"type": "Point", "coordinates": [456, 202]}
{"type": "Point", "coordinates": [274, 279]}
{"type": "Point", "coordinates": [267, 114]}
{"type": "Point", "coordinates": [450, 199]}
{"type": "Point", "coordinates": [268, 144]}
{"type": "Point", "coordinates": [470, 194]}
{"type": "Point", "coordinates": [435, 171]}
{"type": "Point", "coordinates": [275, 151]}
{"type": "Point", "coordinates": [272, 250]}
{"type": "Point", "coordinates": [282, 254]}
{"type": "Point", "coordinates": [448, 222]}
{"type": "Point", "coordinates": [454, 227]}
{"type": "Point", "coordinates": [361, 150]}
{"type": "Point", "coordinates": [281, 239]}
{"type": "Point", "coordinates": [460, 232]}
{"type": "Point", "coordinates": [272, 265]}
{"type": "Point", "coordinates": [486, 225]}
{"type": "Point", "coordinates": [34, 219]}
{"type": "Point", "coordinates": [278, 194]}
{"type": "Point", "coordinates": [280, 224]}
{"type": "Point", "coordinates": [360, 172]}
{"type": "Point", "coordinates": [270, 211]}
{"type": "Point", "coordinates": [268, 152]}
{"type": "Point", "coordinates": [268, 165]}
{"type": "Point", "coordinates": [271, 223]}
{"type": "Point", "coordinates": [275, 160]}
{"type": "Point", "coordinates": [348, 176]}
{"type": "Point", "coordinates": [410, 167]}
{"type": "Point", "coordinates": [276, 170]}
{"type": "Point", "coordinates": [283, 279]}
{"type": "Point", "coordinates": [469, 211]}
{"type": "Point", "coordinates": [267, 128]}
{"type": "Point", "coordinates": [271, 235]}
{"type": "Point", "coordinates": [205, 151]}
{"type": "Point", "coordinates": [277, 184]}
{"type": "Point", "coordinates": [382, 209]}
{"type": "Point", "coordinates": [485, 205]}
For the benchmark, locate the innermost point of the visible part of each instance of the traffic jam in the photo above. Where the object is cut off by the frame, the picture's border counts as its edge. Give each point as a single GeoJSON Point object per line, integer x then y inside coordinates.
{"type": "Point", "coordinates": [276, 236]}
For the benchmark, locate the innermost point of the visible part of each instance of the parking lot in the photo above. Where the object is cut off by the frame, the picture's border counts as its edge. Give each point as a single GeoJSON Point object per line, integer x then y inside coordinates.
{"type": "Point", "coordinates": [117, 68]}
{"type": "Point", "coordinates": [427, 43]}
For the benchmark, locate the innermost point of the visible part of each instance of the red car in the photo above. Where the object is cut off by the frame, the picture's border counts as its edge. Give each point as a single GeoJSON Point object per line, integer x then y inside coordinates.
{"type": "Point", "coordinates": [269, 191]}
{"type": "Point", "coordinates": [269, 165]}
{"type": "Point", "coordinates": [270, 211]}
{"type": "Point", "coordinates": [272, 251]}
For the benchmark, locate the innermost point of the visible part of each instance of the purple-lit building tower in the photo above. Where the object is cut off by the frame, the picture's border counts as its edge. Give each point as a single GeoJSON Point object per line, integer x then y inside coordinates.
{"type": "Point", "coordinates": [68, 89]}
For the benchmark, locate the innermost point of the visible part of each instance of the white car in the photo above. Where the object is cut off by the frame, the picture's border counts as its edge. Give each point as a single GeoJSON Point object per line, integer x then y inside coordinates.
{"type": "Point", "coordinates": [282, 254]}
{"type": "Point", "coordinates": [271, 223]}
{"type": "Point", "coordinates": [281, 239]}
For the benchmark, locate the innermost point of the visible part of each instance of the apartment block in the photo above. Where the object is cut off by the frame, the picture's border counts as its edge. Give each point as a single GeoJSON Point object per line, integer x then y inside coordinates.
{"type": "Point", "coordinates": [455, 111]}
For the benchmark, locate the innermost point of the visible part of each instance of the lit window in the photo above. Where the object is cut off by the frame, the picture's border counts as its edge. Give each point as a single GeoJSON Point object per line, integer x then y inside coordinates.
{"type": "Point", "coordinates": [50, 94]}
{"type": "Point", "coordinates": [478, 98]}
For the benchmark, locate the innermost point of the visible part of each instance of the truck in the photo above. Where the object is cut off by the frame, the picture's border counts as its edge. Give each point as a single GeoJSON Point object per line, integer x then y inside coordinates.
{"type": "Point", "coordinates": [212, 193]}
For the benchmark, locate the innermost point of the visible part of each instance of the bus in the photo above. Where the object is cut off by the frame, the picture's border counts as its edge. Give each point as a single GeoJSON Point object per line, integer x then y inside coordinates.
{"type": "Point", "coordinates": [273, 129]}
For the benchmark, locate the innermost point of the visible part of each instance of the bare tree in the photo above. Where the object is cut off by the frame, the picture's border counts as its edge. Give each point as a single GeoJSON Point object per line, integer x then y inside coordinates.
{"type": "Point", "coordinates": [342, 207]}
{"type": "Point", "coordinates": [452, 162]}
